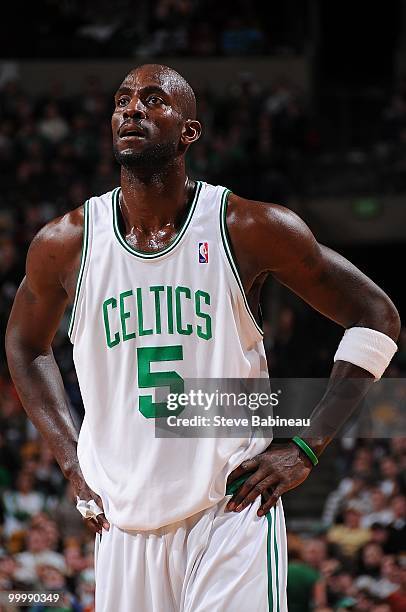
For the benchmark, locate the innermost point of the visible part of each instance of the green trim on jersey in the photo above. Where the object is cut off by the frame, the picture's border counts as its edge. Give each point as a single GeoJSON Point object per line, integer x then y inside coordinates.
{"type": "Point", "coordinates": [171, 246]}
{"type": "Point", "coordinates": [227, 248]}
{"type": "Point", "coordinates": [85, 245]}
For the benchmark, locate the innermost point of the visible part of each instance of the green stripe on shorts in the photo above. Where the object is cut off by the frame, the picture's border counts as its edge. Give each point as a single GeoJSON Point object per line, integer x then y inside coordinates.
{"type": "Point", "coordinates": [234, 486]}
{"type": "Point", "coordinates": [272, 541]}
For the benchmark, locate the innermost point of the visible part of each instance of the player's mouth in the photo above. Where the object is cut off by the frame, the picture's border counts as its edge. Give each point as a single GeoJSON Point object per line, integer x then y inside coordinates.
{"type": "Point", "coordinates": [127, 132]}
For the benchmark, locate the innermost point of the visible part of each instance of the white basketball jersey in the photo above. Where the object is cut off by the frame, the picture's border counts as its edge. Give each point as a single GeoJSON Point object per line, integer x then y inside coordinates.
{"type": "Point", "coordinates": [137, 317]}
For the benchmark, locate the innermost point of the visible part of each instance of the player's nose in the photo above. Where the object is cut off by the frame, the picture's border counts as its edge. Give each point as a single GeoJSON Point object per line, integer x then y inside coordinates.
{"type": "Point", "coordinates": [135, 109]}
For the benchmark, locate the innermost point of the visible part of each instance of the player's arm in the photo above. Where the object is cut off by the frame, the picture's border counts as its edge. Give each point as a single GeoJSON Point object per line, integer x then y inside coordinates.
{"type": "Point", "coordinates": [38, 307]}
{"type": "Point", "coordinates": [269, 238]}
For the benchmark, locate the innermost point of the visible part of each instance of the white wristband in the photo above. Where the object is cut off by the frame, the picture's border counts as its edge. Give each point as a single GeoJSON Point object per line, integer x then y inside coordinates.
{"type": "Point", "coordinates": [366, 348]}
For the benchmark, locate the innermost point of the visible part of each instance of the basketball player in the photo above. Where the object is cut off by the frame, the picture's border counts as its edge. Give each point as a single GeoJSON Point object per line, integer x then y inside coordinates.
{"type": "Point", "coordinates": [164, 275]}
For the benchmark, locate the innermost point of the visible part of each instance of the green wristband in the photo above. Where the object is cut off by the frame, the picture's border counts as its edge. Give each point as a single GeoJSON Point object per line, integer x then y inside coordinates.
{"type": "Point", "coordinates": [306, 449]}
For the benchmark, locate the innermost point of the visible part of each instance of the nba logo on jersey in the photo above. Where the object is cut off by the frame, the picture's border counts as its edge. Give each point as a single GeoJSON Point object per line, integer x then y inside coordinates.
{"type": "Point", "coordinates": [203, 252]}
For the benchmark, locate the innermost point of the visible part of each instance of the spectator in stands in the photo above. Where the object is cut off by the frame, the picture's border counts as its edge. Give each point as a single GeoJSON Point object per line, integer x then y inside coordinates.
{"type": "Point", "coordinates": [354, 488]}
{"type": "Point", "coordinates": [339, 587]}
{"type": "Point", "coordinates": [74, 559]}
{"type": "Point", "coordinates": [304, 574]}
{"type": "Point", "coordinates": [8, 567]}
{"type": "Point", "coordinates": [51, 577]}
{"type": "Point", "coordinates": [397, 600]}
{"type": "Point", "coordinates": [370, 560]}
{"type": "Point", "coordinates": [349, 536]}
{"type": "Point", "coordinates": [389, 472]}
{"type": "Point", "coordinates": [53, 127]}
{"type": "Point", "coordinates": [396, 541]}
{"type": "Point", "coordinates": [36, 551]}
{"type": "Point", "coordinates": [86, 589]}
{"type": "Point", "coordinates": [379, 535]}
{"type": "Point", "coordinates": [379, 511]}
{"type": "Point", "coordinates": [369, 569]}
{"type": "Point", "coordinates": [21, 504]}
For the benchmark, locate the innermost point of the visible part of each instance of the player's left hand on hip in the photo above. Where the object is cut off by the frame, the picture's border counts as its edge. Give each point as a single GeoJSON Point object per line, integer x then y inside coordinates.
{"type": "Point", "coordinates": [274, 472]}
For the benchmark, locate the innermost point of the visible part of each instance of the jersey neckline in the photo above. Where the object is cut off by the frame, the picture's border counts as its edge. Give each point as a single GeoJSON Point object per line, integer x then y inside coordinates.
{"type": "Point", "coordinates": [144, 254]}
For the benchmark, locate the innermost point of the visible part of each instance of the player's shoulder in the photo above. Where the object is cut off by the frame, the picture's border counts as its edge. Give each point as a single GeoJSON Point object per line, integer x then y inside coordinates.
{"type": "Point", "coordinates": [253, 217]}
{"type": "Point", "coordinates": [54, 248]}
{"type": "Point", "coordinates": [269, 235]}
{"type": "Point", "coordinates": [68, 228]}
{"type": "Point", "coordinates": [62, 232]}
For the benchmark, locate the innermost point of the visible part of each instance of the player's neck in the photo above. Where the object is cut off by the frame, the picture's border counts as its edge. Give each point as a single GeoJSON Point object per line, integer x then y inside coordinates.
{"type": "Point", "coordinates": [150, 202]}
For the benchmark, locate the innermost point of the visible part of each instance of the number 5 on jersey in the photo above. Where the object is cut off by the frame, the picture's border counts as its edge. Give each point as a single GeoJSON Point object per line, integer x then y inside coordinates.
{"type": "Point", "coordinates": [147, 379]}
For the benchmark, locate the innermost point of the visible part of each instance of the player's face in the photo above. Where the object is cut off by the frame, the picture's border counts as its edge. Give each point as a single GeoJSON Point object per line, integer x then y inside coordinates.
{"type": "Point", "coordinates": [146, 123]}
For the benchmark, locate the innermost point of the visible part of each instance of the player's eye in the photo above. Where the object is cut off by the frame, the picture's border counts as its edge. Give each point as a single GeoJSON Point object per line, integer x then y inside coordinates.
{"type": "Point", "coordinates": [123, 101]}
{"type": "Point", "coordinates": [155, 100]}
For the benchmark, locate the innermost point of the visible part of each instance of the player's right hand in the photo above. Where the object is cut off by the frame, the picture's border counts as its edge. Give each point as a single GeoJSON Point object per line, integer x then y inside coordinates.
{"type": "Point", "coordinates": [83, 491]}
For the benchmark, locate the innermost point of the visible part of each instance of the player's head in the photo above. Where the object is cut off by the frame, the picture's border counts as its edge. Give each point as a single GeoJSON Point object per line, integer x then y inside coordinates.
{"type": "Point", "coordinates": [154, 118]}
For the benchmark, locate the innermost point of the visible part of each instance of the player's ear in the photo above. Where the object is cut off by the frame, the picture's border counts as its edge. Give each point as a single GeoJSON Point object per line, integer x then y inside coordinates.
{"type": "Point", "coordinates": [191, 131]}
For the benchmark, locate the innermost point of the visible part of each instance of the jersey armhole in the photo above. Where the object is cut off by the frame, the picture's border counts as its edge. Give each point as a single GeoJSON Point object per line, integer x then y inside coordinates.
{"type": "Point", "coordinates": [79, 282]}
{"type": "Point", "coordinates": [231, 259]}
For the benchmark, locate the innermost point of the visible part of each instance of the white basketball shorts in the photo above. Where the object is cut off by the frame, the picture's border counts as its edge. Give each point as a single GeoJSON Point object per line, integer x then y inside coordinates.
{"type": "Point", "coordinates": [214, 561]}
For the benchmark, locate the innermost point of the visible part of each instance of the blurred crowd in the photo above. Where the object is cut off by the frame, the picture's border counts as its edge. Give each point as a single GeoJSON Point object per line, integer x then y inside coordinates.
{"type": "Point", "coordinates": [55, 151]}
{"type": "Point", "coordinates": [356, 560]}
{"type": "Point", "coordinates": [166, 27]}
{"type": "Point", "coordinates": [363, 151]}
{"type": "Point", "coordinates": [353, 555]}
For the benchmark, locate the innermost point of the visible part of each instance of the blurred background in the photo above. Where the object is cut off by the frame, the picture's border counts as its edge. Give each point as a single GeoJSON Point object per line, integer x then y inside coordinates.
{"type": "Point", "coordinates": [303, 103]}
